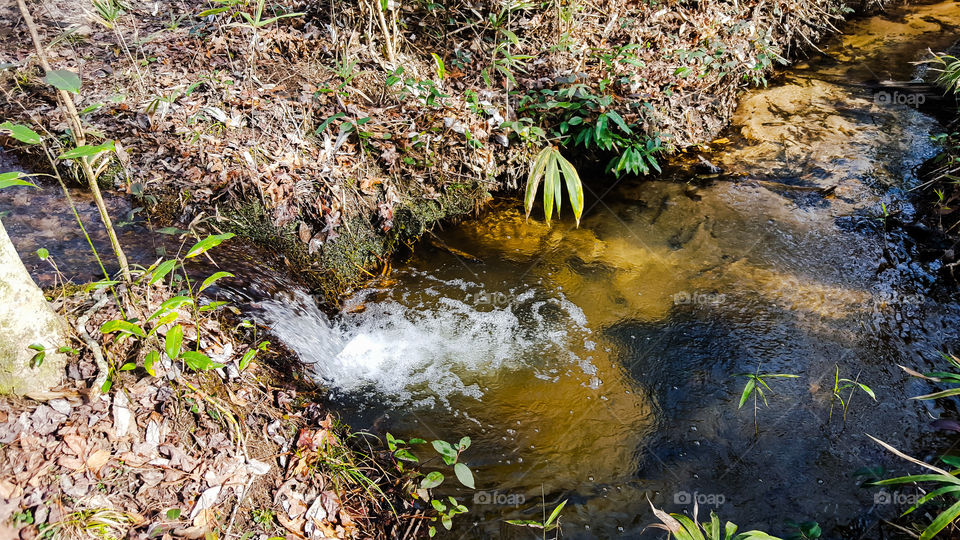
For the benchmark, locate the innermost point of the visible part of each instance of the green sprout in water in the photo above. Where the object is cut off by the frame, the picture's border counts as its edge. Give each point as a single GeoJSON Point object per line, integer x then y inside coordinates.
{"type": "Point", "coordinates": [756, 383]}
{"type": "Point", "coordinates": [841, 385]}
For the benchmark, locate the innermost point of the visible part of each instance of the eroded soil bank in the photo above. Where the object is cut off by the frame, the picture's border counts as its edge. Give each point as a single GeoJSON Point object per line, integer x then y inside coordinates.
{"type": "Point", "coordinates": [333, 138]}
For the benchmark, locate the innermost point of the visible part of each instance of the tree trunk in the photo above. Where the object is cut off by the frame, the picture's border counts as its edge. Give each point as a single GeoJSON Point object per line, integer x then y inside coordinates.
{"type": "Point", "coordinates": [26, 319]}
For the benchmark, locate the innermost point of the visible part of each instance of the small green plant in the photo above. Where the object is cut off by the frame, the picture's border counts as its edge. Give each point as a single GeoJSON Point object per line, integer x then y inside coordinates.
{"type": "Point", "coordinates": [166, 314]}
{"type": "Point", "coordinates": [756, 382]}
{"type": "Point", "coordinates": [682, 527]}
{"type": "Point", "coordinates": [805, 530]}
{"type": "Point", "coordinates": [551, 167]}
{"type": "Point", "coordinates": [842, 385]}
{"type": "Point", "coordinates": [547, 524]}
{"type": "Point", "coordinates": [419, 485]}
{"type": "Point", "coordinates": [947, 486]}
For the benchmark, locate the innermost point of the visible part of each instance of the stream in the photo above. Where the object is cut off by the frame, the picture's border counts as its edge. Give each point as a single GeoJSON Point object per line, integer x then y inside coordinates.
{"type": "Point", "coordinates": [596, 364]}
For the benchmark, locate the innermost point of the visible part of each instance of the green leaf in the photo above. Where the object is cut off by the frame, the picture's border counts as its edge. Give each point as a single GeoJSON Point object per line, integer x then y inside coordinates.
{"type": "Point", "coordinates": [464, 475]}
{"type": "Point", "coordinates": [941, 394]}
{"type": "Point", "coordinates": [21, 133]}
{"type": "Point", "coordinates": [432, 480]}
{"type": "Point", "coordinates": [62, 79]}
{"type": "Point", "coordinates": [88, 150]}
{"type": "Point", "coordinates": [122, 326]}
{"type": "Point", "coordinates": [152, 358]}
{"type": "Point", "coordinates": [207, 243]}
{"type": "Point", "coordinates": [173, 513]}
{"type": "Point", "coordinates": [43, 254]}
{"type": "Point", "coordinates": [550, 183]}
{"type": "Point", "coordinates": [574, 186]}
{"type": "Point", "coordinates": [447, 522]}
{"type": "Point", "coordinates": [405, 455]}
{"type": "Point", "coordinates": [463, 444]}
{"type": "Point", "coordinates": [618, 120]}
{"type": "Point", "coordinates": [945, 518]}
{"type": "Point", "coordinates": [213, 279]}
{"type": "Point", "coordinates": [162, 270]}
{"type": "Point", "coordinates": [173, 342]}
{"type": "Point", "coordinates": [328, 121]}
{"type": "Point", "coordinates": [525, 523]}
{"type": "Point", "coordinates": [198, 361]}
{"type": "Point", "coordinates": [747, 390]}
{"type": "Point", "coordinates": [441, 71]}
{"type": "Point", "coordinates": [128, 366]}
{"type": "Point", "coordinates": [446, 451]}
{"type": "Point", "coordinates": [9, 179]}
{"type": "Point", "coordinates": [247, 358]}
{"type": "Point", "coordinates": [554, 515]}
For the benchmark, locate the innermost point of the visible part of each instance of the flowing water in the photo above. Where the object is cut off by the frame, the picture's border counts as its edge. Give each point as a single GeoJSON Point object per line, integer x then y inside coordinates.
{"type": "Point", "coordinates": [595, 364]}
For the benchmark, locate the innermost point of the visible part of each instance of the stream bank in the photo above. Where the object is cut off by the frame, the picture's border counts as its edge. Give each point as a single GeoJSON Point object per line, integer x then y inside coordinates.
{"type": "Point", "coordinates": [330, 142]}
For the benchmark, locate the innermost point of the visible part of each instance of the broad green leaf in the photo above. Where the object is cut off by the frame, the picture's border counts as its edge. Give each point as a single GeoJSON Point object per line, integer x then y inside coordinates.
{"type": "Point", "coordinates": [198, 361]}
{"type": "Point", "coordinates": [119, 325]}
{"type": "Point", "coordinates": [88, 150]}
{"type": "Point", "coordinates": [446, 451]}
{"type": "Point", "coordinates": [462, 445]}
{"type": "Point", "coordinates": [464, 475]}
{"type": "Point", "coordinates": [152, 358]}
{"type": "Point", "coordinates": [618, 120]}
{"type": "Point", "coordinates": [13, 178]}
{"type": "Point", "coordinates": [746, 392]}
{"type": "Point", "coordinates": [21, 133]}
{"type": "Point", "coordinates": [247, 358]}
{"type": "Point", "coordinates": [213, 279]}
{"type": "Point", "coordinates": [551, 181]}
{"type": "Point", "coordinates": [207, 243]}
{"type": "Point", "coordinates": [406, 455]}
{"type": "Point", "coordinates": [574, 186]}
{"type": "Point", "coordinates": [173, 342]}
{"type": "Point", "coordinates": [62, 79]}
{"type": "Point", "coordinates": [43, 253]}
{"type": "Point", "coordinates": [162, 270]}
{"type": "Point", "coordinates": [432, 480]}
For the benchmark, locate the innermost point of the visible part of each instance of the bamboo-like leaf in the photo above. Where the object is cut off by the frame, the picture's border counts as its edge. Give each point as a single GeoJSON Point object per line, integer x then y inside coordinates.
{"type": "Point", "coordinates": [555, 514]}
{"type": "Point", "coordinates": [533, 181]}
{"type": "Point", "coordinates": [13, 178]}
{"type": "Point", "coordinates": [932, 495]}
{"type": "Point", "coordinates": [21, 133]}
{"type": "Point", "coordinates": [550, 183]}
{"type": "Point", "coordinates": [747, 390]}
{"type": "Point", "coordinates": [940, 394]}
{"type": "Point", "coordinates": [173, 342]}
{"type": "Point", "coordinates": [574, 186]}
{"type": "Point", "coordinates": [945, 518]}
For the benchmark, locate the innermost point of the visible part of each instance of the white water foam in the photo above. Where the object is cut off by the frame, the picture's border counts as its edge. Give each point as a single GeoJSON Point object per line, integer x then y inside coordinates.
{"type": "Point", "coordinates": [420, 346]}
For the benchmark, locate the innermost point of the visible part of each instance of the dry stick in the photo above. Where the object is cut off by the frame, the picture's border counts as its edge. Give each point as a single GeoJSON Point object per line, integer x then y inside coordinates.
{"type": "Point", "coordinates": [80, 140]}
